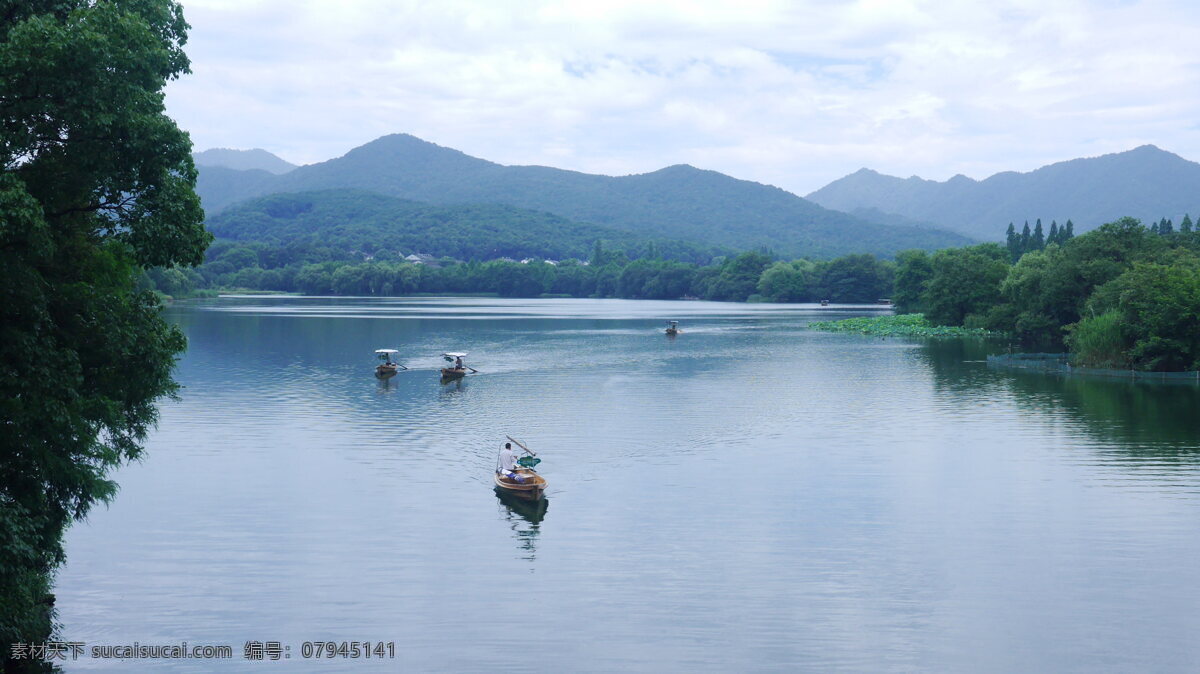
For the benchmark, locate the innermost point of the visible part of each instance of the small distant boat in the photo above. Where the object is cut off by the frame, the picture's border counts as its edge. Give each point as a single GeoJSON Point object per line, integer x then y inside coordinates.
{"type": "Point", "coordinates": [523, 481]}
{"type": "Point", "coordinates": [673, 328]}
{"type": "Point", "coordinates": [388, 367]}
{"type": "Point", "coordinates": [824, 303]}
{"type": "Point", "coordinates": [457, 369]}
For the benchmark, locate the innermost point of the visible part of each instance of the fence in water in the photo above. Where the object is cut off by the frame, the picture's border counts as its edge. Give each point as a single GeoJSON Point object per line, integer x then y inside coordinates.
{"type": "Point", "coordinates": [1059, 363]}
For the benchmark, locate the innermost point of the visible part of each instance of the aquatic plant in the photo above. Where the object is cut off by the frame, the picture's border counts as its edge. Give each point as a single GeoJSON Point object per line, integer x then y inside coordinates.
{"type": "Point", "coordinates": [902, 325]}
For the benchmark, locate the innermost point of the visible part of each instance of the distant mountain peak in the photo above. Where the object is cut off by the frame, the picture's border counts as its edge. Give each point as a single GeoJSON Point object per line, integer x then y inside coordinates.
{"type": "Point", "coordinates": [243, 160]}
{"type": "Point", "coordinates": [677, 170]}
{"type": "Point", "coordinates": [403, 148]}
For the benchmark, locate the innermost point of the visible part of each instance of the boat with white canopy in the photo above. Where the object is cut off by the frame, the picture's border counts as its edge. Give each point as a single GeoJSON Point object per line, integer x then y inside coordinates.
{"type": "Point", "coordinates": [388, 366]}
{"type": "Point", "coordinates": [457, 368]}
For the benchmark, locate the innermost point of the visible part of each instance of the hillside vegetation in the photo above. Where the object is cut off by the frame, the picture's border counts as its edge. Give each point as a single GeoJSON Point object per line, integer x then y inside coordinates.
{"type": "Point", "coordinates": [351, 224]}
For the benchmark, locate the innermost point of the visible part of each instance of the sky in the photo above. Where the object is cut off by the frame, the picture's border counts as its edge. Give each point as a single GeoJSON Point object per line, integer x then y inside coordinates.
{"type": "Point", "coordinates": [792, 94]}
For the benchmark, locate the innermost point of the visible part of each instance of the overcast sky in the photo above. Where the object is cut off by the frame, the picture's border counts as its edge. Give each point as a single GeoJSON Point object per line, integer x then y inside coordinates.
{"type": "Point", "coordinates": [793, 94]}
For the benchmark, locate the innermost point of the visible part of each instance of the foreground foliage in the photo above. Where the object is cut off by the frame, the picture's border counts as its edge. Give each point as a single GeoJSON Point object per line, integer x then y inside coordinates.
{"type": "Point", "coordinates": [96, 184]}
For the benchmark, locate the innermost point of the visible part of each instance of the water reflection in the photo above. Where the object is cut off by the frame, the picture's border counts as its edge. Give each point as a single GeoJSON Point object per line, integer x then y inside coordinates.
{"type": "Point", "coordinates": [531, 510]}
{"type": "Point", "coordinates": [524, 517]}
{"type": "Point", "coordinates": [1147, 419]}
{"type": "Point", "coordinates": [1134, 420]}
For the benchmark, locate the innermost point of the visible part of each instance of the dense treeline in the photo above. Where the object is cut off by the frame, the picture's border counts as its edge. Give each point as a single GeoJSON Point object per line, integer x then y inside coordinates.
{"type": "Point", "coordinates": [1036, 239]}
{"type": "Point", "coordinates": [753, 276]}
{"type": "Point", "coordinates": [1121, 296]}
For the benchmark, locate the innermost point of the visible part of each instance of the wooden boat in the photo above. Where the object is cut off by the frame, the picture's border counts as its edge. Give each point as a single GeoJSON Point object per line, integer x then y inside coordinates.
{"type": "Point", "coordinates": [388, 367]}
{"type": "Point", "coordinates": [523, 481]}
{"type": "Point", "coordinates": [457, 369]}
{"type": "Point", "coordinates": [673, 328]}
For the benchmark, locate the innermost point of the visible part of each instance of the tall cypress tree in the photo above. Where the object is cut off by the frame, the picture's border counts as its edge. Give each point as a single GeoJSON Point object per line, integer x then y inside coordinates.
{"type": "Point", "coordinates": [1013, 243]}
{"type": "Point", "coordinates": [1185, 227]}
{"type": "Point", "coordinates": [1026, 237]}
{"type": "Point", "coordinates": [1166, 227]}
{"type": "Point", "coordinates": [1154, 228]}
{"type": "Point", "coordinates": [1039, 238]}
{"type": "Point", "coordinates": [1068, 232]}
{"type": "Point", "coordinates": [1052, 237]}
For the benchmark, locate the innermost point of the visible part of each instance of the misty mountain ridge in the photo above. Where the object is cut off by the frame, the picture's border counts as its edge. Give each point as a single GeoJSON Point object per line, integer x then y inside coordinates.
{"type": "Point", "coordinates": [677, 202]}
{"type": "Point", "coordinates": [243, 160]}
{"type": "Point", "coordinates": [1146, 182]}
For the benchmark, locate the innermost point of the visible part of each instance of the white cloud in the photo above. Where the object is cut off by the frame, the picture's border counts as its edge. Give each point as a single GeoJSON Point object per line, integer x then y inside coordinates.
{"type": "Point", "coordinates": [794, 94]}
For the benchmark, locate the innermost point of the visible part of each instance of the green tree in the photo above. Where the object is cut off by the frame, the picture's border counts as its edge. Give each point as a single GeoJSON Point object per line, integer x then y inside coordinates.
{"type": "Point", "coordinates": [97, 184]}
{"type": "Point", "coordinates": [1026, 239]}
{"type": "Point", "coordinates": [1038, 240]}
{"type": "Point", "coordinates": [786, 281]}
{"type": "Point", "coordinates": [964, 282]}
{"type": "Point", "coordinates": [1013, 243]}
{"type": "Point", "coordinates": [1052, 237]}
{"type": "Point", "coordinates": [913, 271]}
{"type": "Point", "coordinates": [738, 277]}
{"type": "Point", "coordinates": [1099, 341]}
{"type": "Point", "coordinates": [1159, 310]}
{"type": "Point", "coordinates": [855, 278]}
{"type": "Point", "coordinates": [1185, 227]}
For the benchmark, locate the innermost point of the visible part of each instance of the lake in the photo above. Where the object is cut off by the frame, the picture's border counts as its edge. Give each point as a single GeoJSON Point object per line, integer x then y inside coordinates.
{"type": "Point", "coordinates": [747, 496]}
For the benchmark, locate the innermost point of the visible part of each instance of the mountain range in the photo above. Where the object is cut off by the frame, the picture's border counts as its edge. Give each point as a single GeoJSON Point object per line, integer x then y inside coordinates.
{"type": "Point", "coordinates": [1146, 182]}
{"type": "Point", "coordinates": [679, 203]}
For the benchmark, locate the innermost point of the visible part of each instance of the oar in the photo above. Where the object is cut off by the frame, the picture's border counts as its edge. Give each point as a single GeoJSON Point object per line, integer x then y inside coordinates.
{"type": "Point", "coordinates": [473, 370]}
{"type": "Point", "coordinates": [521, 445]}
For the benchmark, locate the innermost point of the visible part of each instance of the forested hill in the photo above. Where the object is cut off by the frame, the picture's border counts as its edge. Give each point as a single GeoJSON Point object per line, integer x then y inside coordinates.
{"type": "Point", "coordinates": [1146, 183]}
{"type": "Point", "coordinates": [355, 221]}
{"type": "Point", "coordinates": [243, 160]}
{"type": "Point", "coordinates": [678, 202]}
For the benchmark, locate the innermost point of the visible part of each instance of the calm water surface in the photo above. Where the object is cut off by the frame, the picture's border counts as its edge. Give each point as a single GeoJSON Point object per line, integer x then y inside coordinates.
{"type": "Point", "coordinates": [749, 496]}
